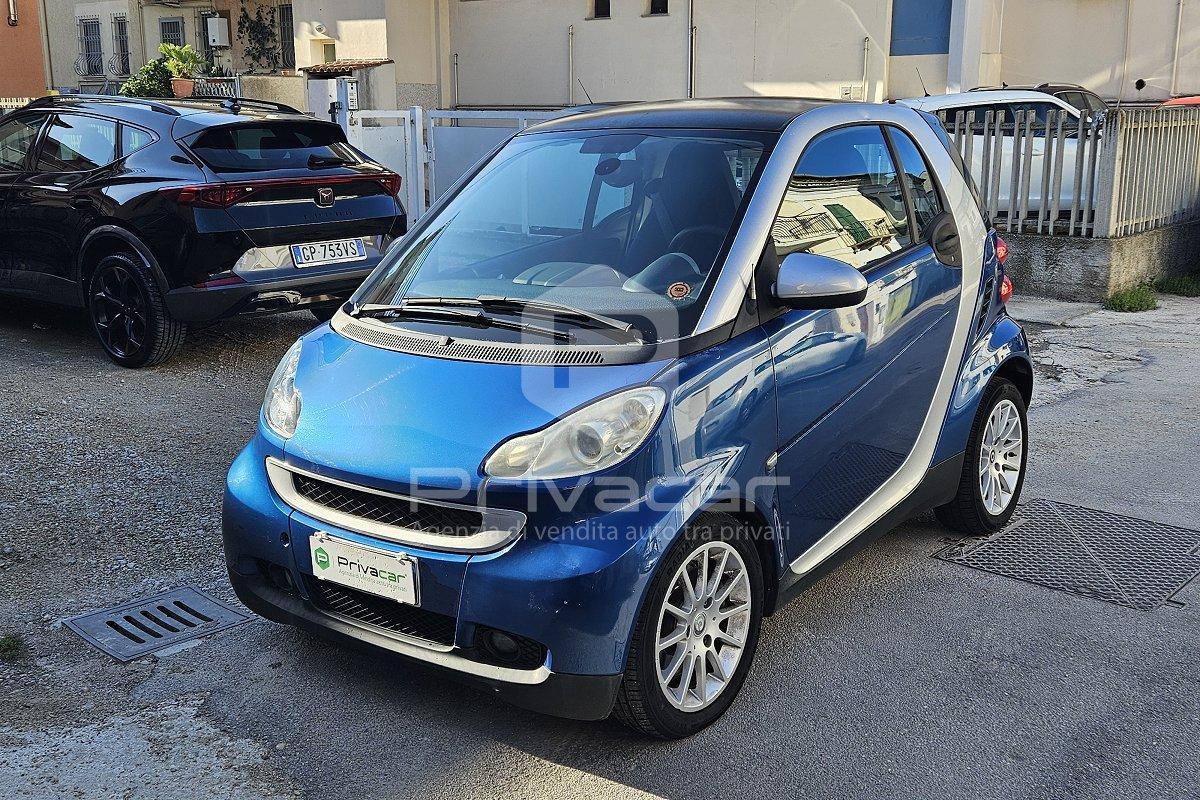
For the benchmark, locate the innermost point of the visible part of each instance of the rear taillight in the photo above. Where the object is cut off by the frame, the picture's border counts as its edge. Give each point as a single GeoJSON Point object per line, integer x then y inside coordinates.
{"type": "Point", "coordinates": [1001, 250]}
{"type": "Point", "coordinates": [216, 195]}
{"type": "Point", "coordinates": [1006, 289]}
{"type": "Point", "coordinates": [391, 183]}
{"type": "Point", "coordinates": [224, 195]}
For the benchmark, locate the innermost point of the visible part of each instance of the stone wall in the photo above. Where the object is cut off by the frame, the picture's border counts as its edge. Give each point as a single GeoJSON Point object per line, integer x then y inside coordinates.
{"type": "Point", "coordinates": [1071, 268]}
{"type": "Point", "coordinates": [291, 90]}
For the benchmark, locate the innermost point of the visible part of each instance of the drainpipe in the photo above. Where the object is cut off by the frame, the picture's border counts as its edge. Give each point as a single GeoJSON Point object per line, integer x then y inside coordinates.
{"type": "Point", "coordinates": [570, 65]}
{"type": "Point", "coordinates": [866, 64]}
{"type": "Point", "coordinates": [1175, 60]}
{"type": "Point", "coordinates": [454, 80]}
{"type": "Point", "coordinates": [691, 76]}
{"type": "Point", "coordinates": [1125, 60]}
{"type": "Point", "coordinates": [12, 12]}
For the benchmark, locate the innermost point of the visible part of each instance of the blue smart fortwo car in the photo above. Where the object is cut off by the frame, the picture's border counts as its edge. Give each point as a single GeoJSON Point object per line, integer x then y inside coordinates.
{"type": "Point", "coordinates": [637, 381]}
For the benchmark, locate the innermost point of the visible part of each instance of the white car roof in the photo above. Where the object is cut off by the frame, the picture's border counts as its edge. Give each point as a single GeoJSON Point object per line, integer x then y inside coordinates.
{"type": "Point", "coordinates": [985, 97]}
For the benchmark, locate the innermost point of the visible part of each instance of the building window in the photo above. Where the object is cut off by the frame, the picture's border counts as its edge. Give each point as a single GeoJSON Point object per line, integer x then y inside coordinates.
{"type": "Point", "coordinates": [601, 9]}
{"type": "Point", "coordinates": [91, 48]}
{"type": "Point", "coordinates": [120, 36]}
{"type": "Point", "coordinates": [170, 30]}
{"type": "Point", "coordinates": [657, 8]}
{"type": "Point", "coordinates": [287, 37]}
{"type": "Point", "coordinates": [329, 52]}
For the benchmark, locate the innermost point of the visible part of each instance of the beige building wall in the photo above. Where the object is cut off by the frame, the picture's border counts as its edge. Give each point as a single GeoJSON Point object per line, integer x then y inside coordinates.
{"type": "Point", "coordinates": [1086, 41]}
{"type": "Point", "coordinates": [357, 28]}
{"type": "Point", "coordinates": [516, 52]}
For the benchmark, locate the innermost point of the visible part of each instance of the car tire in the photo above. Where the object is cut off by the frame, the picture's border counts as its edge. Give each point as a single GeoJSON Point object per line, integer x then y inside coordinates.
{"type": "Point", "coordinates": [999, 443]}
{"type": "Point", "coordinates": [654, 707]}
{"type": "Point", "coordinates": [128, 314]}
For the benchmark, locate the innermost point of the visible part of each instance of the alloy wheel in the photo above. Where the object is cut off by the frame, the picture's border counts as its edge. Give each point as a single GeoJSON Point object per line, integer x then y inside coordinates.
{"type": "Point", "coordinates": [1000, 455]}
{"type": "Point", "coordinates": [703, 626]}
{"type": "Point", "coordinates": [120, 310]}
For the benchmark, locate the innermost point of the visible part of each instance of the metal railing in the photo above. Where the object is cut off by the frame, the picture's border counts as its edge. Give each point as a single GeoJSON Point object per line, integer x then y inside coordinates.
{"type": "Point", "coordinates": [1055, 173]}
{"type": "Point", "coordinates": [218, 87]}
{"type": "Point", "coordinates": [13, 103]}
{"type": "Point", "coordinates": [1152, 178]}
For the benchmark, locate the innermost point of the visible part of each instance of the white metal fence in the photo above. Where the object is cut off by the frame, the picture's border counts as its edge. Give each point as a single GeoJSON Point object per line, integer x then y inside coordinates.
{"type": "Point", "coordinates": [10, 103]}
{"type": "Point", "coordinates": [1053, 173]}
{"type": "Point", "coordinates": [433, 149]}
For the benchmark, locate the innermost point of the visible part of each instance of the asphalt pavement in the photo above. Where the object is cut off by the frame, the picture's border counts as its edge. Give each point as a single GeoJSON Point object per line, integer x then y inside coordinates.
{"type": "Point", "coordinates": [898, 676]}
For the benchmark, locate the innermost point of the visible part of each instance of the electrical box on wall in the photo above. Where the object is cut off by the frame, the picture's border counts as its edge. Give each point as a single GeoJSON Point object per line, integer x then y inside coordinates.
{"type": "Point", "coordinates": [218, 31]}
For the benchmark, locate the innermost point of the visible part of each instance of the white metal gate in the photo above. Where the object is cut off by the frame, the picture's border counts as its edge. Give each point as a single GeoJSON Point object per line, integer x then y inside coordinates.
{"type": "Point", "coordinates": [433, 149]}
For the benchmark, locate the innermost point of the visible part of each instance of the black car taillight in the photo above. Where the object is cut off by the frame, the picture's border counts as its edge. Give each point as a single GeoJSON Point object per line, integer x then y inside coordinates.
{"type": "Point", "coordinates": [225, 195]}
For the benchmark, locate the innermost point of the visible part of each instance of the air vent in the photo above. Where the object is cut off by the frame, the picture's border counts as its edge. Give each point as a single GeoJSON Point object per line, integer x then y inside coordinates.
{"type": "Point", "coordinates": [147, 626]}
{"type": "Point", "coordinates": [459, 350]}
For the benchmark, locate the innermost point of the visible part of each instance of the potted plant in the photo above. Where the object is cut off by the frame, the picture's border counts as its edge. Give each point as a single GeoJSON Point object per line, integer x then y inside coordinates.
{"type": "Point", "coordinates": [183, 62]}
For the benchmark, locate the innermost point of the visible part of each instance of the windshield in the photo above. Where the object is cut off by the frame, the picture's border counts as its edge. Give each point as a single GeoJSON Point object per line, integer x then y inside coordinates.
{"type": "Point", "coordinates": [621, 223]}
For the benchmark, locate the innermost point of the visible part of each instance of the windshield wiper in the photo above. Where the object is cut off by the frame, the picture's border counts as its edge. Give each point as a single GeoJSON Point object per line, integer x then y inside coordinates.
{"type": "Point", "coordinates": [538, 308]}
{"type": "Point", "coordinates": [474, 318]}
{"type": "Point", "coordinates": [319, 162]}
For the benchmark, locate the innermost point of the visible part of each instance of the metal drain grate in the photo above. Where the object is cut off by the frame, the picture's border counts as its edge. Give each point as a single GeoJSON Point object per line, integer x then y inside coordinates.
{"type": "Point", "coordinates": [1129, 562]}
{"type": "Point", "coordinates": [146, 626]}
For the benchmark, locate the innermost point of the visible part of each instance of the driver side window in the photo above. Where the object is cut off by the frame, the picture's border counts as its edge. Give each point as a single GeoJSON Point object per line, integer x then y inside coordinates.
{"type": "Point", "coordinates": [844, 200]}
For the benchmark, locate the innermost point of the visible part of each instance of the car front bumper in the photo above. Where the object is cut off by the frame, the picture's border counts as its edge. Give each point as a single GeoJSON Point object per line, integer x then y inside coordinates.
{"type": "Point", "coordinates": [576, 595]}
{"type": "Point", "coordinates": [584, 697]}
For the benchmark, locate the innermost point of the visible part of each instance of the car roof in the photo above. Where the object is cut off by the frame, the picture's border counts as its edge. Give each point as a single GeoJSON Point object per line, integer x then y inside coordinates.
{"type": "Point", "coordinates": [729, 113]}
{"type": "Point", "coordinates": [200, 112]}
{"type": "Point", "coordinates": [979, 97]}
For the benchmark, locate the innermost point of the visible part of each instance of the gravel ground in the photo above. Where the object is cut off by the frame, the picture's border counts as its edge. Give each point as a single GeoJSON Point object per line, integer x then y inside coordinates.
{"type": "Point", "coordinates": [899, 676]}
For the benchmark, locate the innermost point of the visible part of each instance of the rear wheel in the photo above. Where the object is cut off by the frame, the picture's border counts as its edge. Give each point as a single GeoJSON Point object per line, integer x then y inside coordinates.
{"type": "Point", "coordinates": [128, 313]}
{"type": "Point", "coordinates": [994, 472]}
{"type": "Point", "coordinates": [696, 634]}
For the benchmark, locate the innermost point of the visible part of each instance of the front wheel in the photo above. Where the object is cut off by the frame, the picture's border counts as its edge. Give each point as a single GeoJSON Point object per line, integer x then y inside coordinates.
{"type": "Point", "coordinates": [994, 471]}
{"type": "Point", "coordinates": [696, 634]}
{"type": "Point", "coordinates": [128, 313]}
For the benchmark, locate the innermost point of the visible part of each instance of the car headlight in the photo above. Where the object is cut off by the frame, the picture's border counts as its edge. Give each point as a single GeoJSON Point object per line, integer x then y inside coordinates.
{"type": "Point", "coordinates": [281, 406]}
{"type": "Point", "coordinates": [593, 438]}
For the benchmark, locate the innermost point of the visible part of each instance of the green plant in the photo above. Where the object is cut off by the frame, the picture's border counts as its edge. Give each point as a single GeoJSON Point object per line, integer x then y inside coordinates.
{"type": "Point", "coordinates": [11, 647]}
{"type": "Point", "coordinates": [258, 33]}
{"type": "Point", "coordinates": [1139, 298]}
{"type": "Point", "coordinates": [182, 61]}
{"type": "Point", "coordinates": [1183, 285]}
{"type": "Point", "coordinates": [152, 80]}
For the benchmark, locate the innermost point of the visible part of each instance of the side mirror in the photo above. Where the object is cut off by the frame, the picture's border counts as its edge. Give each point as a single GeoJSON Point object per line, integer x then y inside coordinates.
{"type": "Point", "coordinates": [942, 236]}
{"type": "Point", "coordinates": [810, 281]}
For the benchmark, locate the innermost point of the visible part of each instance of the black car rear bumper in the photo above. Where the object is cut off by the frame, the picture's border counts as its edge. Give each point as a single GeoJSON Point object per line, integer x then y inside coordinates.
{"type": "Point", "coordinates": [207, 304]}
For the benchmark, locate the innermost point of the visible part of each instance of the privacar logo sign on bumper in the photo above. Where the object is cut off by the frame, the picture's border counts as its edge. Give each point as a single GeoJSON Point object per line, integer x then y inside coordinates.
{"type": "Point", "coordinates": [388, 574]}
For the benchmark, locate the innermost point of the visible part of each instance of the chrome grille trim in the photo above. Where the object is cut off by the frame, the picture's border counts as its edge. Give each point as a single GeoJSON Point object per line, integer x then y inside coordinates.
{"type": "Point", "coordinates": [498, 528]}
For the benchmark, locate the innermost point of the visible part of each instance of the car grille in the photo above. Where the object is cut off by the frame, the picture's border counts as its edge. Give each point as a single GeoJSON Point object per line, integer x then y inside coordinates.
{"type": "Point", "coordinates": [393, 511]}
{"type": "Point", "coordinates": [379, 612]}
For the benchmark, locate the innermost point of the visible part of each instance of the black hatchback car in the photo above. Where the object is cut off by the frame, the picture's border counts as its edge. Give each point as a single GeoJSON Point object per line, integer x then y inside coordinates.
{"type": "Point", "coordinates": [155, 215]}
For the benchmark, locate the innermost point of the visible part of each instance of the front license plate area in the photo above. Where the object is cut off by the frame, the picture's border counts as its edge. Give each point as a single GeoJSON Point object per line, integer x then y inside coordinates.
{"type": "Point", "coordinates": [337, 251]}
{"type": "Point", "coordinates": [377, 572]}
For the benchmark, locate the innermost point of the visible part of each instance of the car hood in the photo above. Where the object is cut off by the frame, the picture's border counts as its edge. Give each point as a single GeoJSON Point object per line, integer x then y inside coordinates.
{"type": "Point", "coordinates": [400, 421]}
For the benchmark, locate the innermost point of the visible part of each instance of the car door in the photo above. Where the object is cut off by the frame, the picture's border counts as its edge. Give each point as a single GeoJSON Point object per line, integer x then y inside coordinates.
{"type": "Point", "coordinates": [17, 137]}
{"type": "Point", "coordinates": [58, 202]}
{"type": "Point", "coordinates": [855, 384]}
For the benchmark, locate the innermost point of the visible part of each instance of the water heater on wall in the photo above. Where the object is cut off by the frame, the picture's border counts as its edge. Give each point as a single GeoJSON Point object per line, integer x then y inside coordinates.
{"type": "Point", "coordinates": [218, 31]}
